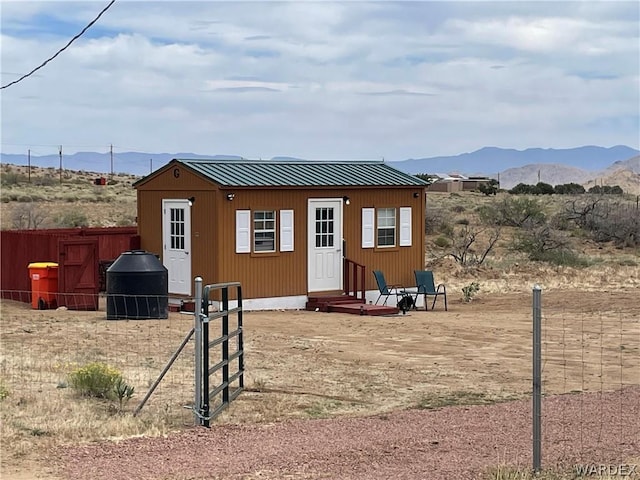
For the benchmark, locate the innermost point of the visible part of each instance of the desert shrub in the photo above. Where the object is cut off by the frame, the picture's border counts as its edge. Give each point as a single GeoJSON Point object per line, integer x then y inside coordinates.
{"type": "Point", "coordinates": [123, 392]}
{"type": "Point", "coordinates": [45, 181]}
{"type": "Point", "coordinates": [71, 219]}
{"type": "Point", "coordinates": [28, 216]}
{"type": "Point", "coordinates": [606, 190]}
{"type": "Point", "coordinates": [512, 212]}
{"type": "Point", "coordinates": [12, 178]}
{"type": "Point", "coordinates": [435, 221]}
{"type": "Point", "coordinates": [537, 240]}
{"type": "Point", "coordinates": [462, 221]}
{"type": "Point", "coordinates": [542, 188]}
{"type": "Point", "coordinates": [24, 198]}
{"type": "Point", "coordinates": [563, 257]}
{"type": "Point", "coordinates": [469, 291]}
{"type": "Point", "coordinates": [569, 189]}
{"type": "Point", "coordinates": [126, 221]}
{"type": "Point", "coordinates": [490, 188]}
{"type": "Point", "coordinates": [442, 242]}
{"type": "Point", "coordinates": [4, 391]}
{"type": "Point", "coordinates": [614, 221]}
{"type": "Point", "coordinates": [427, 177]}
{"type": "Point", "coordinates": [605, 219]}
{"type": "Point", "coordinates": [545, 244]}
{"type": "Point", "coordinates": [458, 208]}
{"type": "Point", "coordinates": [95, 379]}
{"type": "Point", "coordinates": [470, 247]}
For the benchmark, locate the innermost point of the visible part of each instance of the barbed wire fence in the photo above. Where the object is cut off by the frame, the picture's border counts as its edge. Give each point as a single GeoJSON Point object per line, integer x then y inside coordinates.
{"type": "Point", "coordinates": [590, 373]}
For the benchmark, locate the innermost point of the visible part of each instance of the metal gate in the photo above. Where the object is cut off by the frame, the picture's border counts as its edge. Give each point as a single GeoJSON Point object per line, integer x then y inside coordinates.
{"type": "Point", "coordinates": [219, 369]}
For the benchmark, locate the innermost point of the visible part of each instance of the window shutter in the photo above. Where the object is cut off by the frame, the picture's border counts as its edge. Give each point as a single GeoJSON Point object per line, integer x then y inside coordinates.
{"type": "Point", "coordinates": [243, 229]}
{"type": "Point", "coordinates": [368, 237]}
{"type": "Point", "coordinates": [405, 226]}
{"type": "Point", "coordinates": [286, 230]}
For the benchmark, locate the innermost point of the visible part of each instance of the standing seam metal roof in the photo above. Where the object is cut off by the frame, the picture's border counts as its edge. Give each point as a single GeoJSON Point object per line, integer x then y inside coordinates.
{"type": "Point", "coordinates": [233, 173]}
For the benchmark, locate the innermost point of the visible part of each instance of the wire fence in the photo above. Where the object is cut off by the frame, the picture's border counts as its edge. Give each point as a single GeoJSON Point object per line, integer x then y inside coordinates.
{"type": "Point", "coordinates": [137, 336]}
{"type": "Point", "coordinates": [590, 366]}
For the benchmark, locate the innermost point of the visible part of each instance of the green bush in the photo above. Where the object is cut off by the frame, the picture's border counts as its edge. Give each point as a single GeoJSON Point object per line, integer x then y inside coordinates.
{"type": "Point", "coordinates": [563, 257]}
{"type": "Point", "coordinates": [513, 212]}
{"type": "Point", "coordinates": [469, 291]}
{"type": "Point", "coordinates": [569, 189]}
{"type": "Point", "coordinates": [95, 379]}
{"type": "Point", "coordinates": [71, 219]}
{"type": "Point", "coordinates": [4, 391]}
{"type": "Point", "coordinates": [12, 178]}
{"type": "Point", "coordinates": [442, 242]}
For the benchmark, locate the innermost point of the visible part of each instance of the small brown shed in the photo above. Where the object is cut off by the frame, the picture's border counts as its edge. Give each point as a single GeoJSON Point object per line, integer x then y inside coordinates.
{"type": "Point", "coordinates": [282, 229]}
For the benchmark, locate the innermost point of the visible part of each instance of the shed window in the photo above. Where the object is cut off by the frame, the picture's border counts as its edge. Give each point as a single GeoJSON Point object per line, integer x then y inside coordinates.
{"type": "Point", "coordinates": [386, 227]}
{"type": "Point", "coordinates": [264, 231]}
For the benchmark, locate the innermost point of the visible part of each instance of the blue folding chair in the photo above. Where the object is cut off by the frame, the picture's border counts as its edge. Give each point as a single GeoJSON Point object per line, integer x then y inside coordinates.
{"type": "Point", "coordinates": [402, 294]}
{"type": "Point", "coordinates": [426, 287]}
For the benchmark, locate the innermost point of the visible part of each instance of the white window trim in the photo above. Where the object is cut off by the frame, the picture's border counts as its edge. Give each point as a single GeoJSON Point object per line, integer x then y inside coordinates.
{"type": "Point", "coordinates": [395, 227]}
{"type": "Point", "coordinates": [254, 231]}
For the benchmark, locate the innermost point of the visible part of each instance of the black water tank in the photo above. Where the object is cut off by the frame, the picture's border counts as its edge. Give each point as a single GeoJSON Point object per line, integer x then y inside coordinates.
{"type": "Point", "coordinates": [137, 287]}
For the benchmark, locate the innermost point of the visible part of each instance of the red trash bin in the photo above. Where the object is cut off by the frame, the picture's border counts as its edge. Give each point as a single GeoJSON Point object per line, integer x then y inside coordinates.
{"type": "Point", "coordinates": [44, 285]}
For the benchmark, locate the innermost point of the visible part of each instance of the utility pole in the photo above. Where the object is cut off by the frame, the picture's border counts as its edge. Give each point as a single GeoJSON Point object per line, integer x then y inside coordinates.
{"type": "Point", "coordinates": [151, 165]}
{"type": "Point", "coordinates": [29, 164]}
{"type": "Point", "coordinates": [60, 153]}
{"type": "Point", "coordinates": [111, 155]}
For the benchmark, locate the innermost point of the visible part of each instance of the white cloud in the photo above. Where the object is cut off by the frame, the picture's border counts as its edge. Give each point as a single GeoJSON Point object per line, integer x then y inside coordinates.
{"type": "Point", "coordinates": [321, 79]}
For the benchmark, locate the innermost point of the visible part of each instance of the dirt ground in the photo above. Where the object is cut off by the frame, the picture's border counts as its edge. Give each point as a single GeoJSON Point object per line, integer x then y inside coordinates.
{"type": "Point", "coordinates": [305, 370]}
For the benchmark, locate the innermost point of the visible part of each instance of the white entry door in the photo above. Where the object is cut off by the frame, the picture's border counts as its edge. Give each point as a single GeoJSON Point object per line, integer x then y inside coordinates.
{"type": "Point", "coordinates": [324, 245]}
{"type": "Point", "coordinates": [176, 240]}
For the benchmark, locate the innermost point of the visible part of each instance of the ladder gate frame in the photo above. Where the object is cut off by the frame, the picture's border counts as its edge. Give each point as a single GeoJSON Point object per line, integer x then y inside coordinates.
{"type": "Point", "coordinates": [211, 400]}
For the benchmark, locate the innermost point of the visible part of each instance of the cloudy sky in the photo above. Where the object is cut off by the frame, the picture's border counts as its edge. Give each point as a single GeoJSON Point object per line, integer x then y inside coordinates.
{"type": "Point", "coordinates": [320, 80]}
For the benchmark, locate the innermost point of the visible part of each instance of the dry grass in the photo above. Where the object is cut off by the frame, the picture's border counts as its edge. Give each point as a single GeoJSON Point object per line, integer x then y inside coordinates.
{"type": "Point", "coordinates": [52, 204]}
{"type": "Point", "coordinates": [312, 365]}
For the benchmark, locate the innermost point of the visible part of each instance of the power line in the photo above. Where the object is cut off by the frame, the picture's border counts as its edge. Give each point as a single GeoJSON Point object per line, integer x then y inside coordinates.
{"type": "Point", "coordinates": [62, 49]}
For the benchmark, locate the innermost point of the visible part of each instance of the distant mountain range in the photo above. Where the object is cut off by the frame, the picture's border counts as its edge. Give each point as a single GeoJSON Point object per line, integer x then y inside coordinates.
{"type": "Point", "coordinates": [554, 166]}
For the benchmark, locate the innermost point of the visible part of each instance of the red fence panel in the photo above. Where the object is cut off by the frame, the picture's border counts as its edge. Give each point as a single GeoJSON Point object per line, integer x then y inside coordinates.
{"type": "Point", "coordinates": [19, 248]}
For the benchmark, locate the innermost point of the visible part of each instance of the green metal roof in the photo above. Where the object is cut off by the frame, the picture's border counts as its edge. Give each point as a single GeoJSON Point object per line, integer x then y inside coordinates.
{"type": "Point", "coordinates": [258, 173]}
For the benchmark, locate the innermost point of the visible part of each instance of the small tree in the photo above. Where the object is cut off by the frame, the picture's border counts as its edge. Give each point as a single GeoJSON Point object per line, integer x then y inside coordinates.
{"type": "Point", "coordinates": [466, 248]}
{"type": "Point", "coordinates": [490, 188]}
{"type": "Point", "coordinates": [542, 188]}
{"type": "Point", "coordinates": [569, 189]}
{"type": "Point", "coordinates": [512, 212]}
{"type": "Point", "coordinates": [522, 189]}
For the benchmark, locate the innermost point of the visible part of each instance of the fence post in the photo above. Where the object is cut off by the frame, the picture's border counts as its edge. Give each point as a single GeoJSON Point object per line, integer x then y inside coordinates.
{"type": "Point", "coordinates": [197, 320]}
{"type": "Point", "coordinates": [537, 378]}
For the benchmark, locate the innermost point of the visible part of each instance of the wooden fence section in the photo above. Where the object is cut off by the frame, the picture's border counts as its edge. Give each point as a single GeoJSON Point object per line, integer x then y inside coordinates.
{"type": "Point", "coordinates": [19, 248]}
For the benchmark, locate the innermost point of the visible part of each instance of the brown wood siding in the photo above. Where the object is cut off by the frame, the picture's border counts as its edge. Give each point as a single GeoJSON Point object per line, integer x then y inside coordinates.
{"type": "Point", "coordinates": [167, 186]}
{"type": "Point", "coordinates": [213, 221]}
{"type": "Point", "coordinates": [397, 263]}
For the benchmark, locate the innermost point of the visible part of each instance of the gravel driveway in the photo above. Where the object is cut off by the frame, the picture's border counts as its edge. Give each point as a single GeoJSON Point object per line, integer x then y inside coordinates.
{"type": "Point", "coordinates": [454, 442]}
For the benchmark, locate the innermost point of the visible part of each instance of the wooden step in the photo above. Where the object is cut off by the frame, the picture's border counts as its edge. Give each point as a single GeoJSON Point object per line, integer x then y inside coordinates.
{"type": "Point", "coordinates": [363, 309]}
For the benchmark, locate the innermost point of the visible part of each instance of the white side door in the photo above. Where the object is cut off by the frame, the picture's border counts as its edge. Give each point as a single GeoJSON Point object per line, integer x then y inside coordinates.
{"type": "Point", "coordinates": [176, 241]}
{"type": "Point", "coordinates": [324, 269]}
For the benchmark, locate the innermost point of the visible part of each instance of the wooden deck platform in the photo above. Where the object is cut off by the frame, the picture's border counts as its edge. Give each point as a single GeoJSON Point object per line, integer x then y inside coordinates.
{"type": "Point", "coordinates": [347, 304]}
